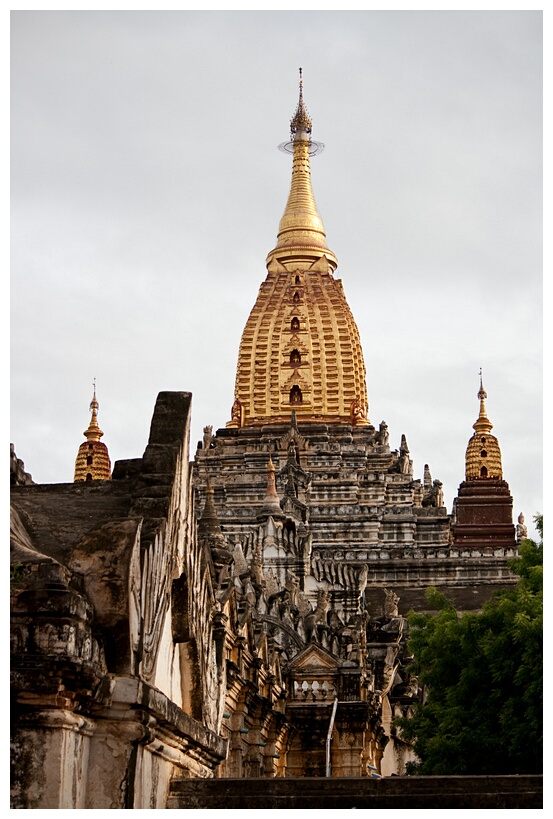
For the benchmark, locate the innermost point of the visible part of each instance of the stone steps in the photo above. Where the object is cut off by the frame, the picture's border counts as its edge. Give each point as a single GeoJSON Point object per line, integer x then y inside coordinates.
{"type": "Point", "coordinates": [427, 792]}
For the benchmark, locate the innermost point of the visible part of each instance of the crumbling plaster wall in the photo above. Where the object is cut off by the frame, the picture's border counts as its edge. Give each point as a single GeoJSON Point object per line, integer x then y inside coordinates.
{"type": "Point", "coordinates": [95, 564]}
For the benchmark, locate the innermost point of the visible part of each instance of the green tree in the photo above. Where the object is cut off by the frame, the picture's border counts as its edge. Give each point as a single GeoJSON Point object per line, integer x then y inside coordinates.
{"type": "Point", "coordinates": [482, 676]}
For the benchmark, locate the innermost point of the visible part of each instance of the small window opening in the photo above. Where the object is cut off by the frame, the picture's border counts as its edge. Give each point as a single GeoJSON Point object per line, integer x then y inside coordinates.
{"type": "Point", "coordinates": [295, 358]}
{"type": "Point", "coordinates": [297, 279]}
{"type": "Point", "coordinates": [295, 325]}
{"type": "Point", "coordinates": [483, 472]}
{"type": "Point", "coordinates": [483, 454]}
{"type": "Point", "coordinates": [296, 296]}
{"type": "Point", "coordinates": [88, 476]}
{"type": "Point", "coordinates": [88, 460]}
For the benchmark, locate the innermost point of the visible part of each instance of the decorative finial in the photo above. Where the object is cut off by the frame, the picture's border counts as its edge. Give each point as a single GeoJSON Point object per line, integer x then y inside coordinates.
{"type": "Point", "coordinates": [483, 423]}
{"type": "Point", "coordinates": [301, 228]}
{"type": "Point", "coordinates": [300, 124]}
{"type": "Point", "coordinates": [93, 433]}
{"type": "Point", "coordinates": [481, 392]}
{"type": "Point", "coordinates": [94, 405]}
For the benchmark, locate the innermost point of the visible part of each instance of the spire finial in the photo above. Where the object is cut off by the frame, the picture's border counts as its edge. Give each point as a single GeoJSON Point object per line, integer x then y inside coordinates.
{"type": "Point", "coordinates": [482, 424]}
{"type": "Point", "coordinates": [301, 235]}
{"type": "Point", "coordinates": [93, 433]}
{"type": "Point", "coordinates": [481, 391]}
{"type": "Point", "coordinates": [300, 124]}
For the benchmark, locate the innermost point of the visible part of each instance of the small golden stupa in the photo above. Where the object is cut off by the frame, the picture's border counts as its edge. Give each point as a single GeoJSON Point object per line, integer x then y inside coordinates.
{"type": "Point", "coordinates": [93, 463]}
{"type": "Point", "coordinates": [483, 456]}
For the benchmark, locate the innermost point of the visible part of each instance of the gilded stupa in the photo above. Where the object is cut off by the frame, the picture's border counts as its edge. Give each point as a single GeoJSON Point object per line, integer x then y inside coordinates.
{"type": "Point", "coordinates": [300, 349]}
{"type": "Point", "coordinates": [93, 463]}
{"type": "Point", "coordinates": [483, 508]}
{"type": "Point", "coordinates": [483, 456]}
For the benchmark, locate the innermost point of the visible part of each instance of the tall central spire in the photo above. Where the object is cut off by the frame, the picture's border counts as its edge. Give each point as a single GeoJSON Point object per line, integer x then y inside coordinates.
{"type": "Point", "coordinates": [300, 349]}
{"type": "Point", "coordinates": [301, 232]}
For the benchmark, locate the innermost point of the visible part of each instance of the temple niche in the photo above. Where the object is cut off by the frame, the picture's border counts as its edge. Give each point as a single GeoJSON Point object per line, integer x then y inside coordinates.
{"type": "Point", "coordinates": [242, 615]}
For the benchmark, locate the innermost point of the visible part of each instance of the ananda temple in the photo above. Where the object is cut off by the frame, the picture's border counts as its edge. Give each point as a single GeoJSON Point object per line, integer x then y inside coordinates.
{"type": "Point", "coordinates": [240, 612]}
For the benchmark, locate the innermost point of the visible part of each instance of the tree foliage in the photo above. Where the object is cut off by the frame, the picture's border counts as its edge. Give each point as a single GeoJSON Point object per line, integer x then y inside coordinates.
{"type": "Point", "coordinates": [482, 676]}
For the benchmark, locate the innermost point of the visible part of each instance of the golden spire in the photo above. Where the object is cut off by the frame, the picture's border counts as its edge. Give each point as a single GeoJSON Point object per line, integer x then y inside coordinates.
{"type": "Point", "coordinates": [482, 423]}
{"type": "Point", "coordinates": [300, 349]}
{"type": "Point", "coordinates": [301, 121]}
{"type": "Point", "coordinates": [93, 433]}
{"type": "Point", "coordinates": [301, 231]}
{"type": "Point", "coordinates": [93, 463]}
{"type": "Point", "coordinates": [483, 456]}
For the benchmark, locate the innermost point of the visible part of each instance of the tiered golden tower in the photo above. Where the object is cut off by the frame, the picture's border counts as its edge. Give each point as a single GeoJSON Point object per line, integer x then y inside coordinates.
{"type": "Point", "coordinates": [93, 463]}
{"type": "Point", "coordinates": [483, 508]}
{"type": "Point", "coordinates": [483, 456]}
{"type": "Point", "coordinates": [300, 349]}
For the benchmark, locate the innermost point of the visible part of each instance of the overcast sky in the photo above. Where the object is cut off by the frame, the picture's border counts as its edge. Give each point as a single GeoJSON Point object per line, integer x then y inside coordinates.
{"type": "Point", "coordinates": [147, 189]}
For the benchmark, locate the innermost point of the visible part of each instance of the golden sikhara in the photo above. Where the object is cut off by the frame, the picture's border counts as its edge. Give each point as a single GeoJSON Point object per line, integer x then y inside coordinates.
{"type": "Point", "coordinates": [300, 349]}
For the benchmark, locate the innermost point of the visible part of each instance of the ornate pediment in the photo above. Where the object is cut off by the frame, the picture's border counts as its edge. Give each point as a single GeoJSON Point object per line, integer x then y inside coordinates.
{"type": "Point", "coordinates": [295, 343]}
{"type": "Point", "coordinates": [314, 658]}
{"type": "Point", "coordinates": [296, 377]}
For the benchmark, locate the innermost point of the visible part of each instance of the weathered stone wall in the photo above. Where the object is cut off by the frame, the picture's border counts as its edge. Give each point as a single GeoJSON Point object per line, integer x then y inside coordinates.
{"type": "Point", "coordinates": [359, 521]}
{"type": "Point", "coordinates": [97, 674]}
{"type": "Point", "coordinates": [238, 617]}
{"type": "Point", "coordinates": [401, 793]}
